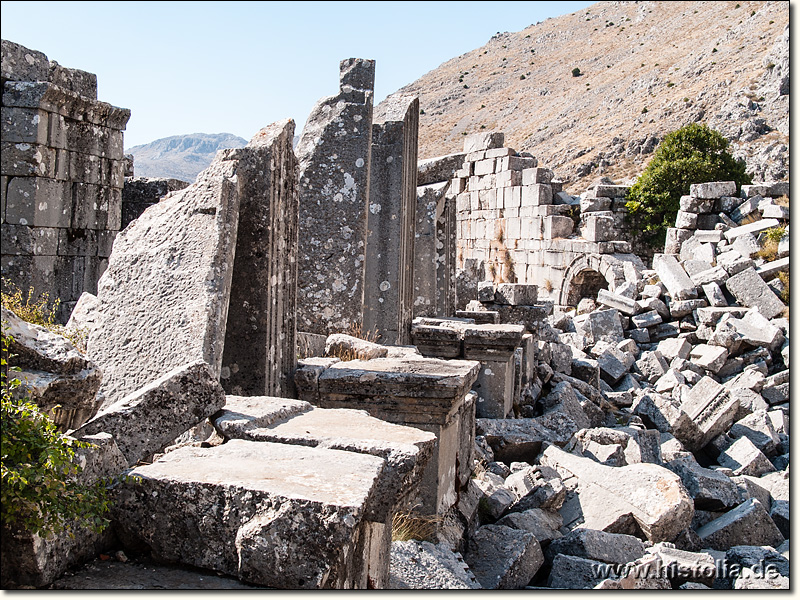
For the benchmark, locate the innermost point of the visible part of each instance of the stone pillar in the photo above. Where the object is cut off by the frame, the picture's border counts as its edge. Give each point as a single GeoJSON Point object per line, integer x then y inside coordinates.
{"type": "Point", "coordinates": [62, 176]}
{"type": "Point", "coordinates": [334, 155]}
{"type": "Point", "coordinates": [260, 351]}
{"type": "Point", "coordinates": [389, 273]}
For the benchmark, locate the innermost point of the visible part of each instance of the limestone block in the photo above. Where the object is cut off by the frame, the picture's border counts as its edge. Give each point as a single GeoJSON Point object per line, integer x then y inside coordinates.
{"type": "Point", "coordinates": [557, 227]}
{"type": "Point", "coordinates": [756, 330]}
{"type": "Point", "coordinates": [574, 573]}
{"type": "Point", "coordinates": [406, 450]}
{"type": "Point", "coordinates": [521, 439]}
{"type": "Point", "coordinates": [416, 565]}
{"type": "Point", "coordinates": [711, 408]}
{"type": "Point", "coordinates": [750, 290]}
{"type": "Point", "coordinates": [610, 548]}
{"type": "Point", "coordinates": [752, 228]}
{"type": "Point", "coordinates": [503, 558]}
{"type": "Point", "coordinates": [772, 268]}
{"type": "Point", "coordinates": [515, 294]}
{"type": "Point", "coordinates": [676, 239]}
{"type": "Point", "coordinates": [147, 420]}
{"type": "Point", "coordinates": [716, 275]}
{"type": "Point", "coordinates": [706, 236]}
{"type": "Point", "coordinates": [341, 345]}
{"type": "Point", "coordinates": [749, 524]}
{"type": "Point", "coordinates": [674, 348]}
{"type": "Point", "coordinates": [757, 427]}
{"type": "Point", "coordinates": [483, 141]}
{"type": "Point", "coordinates": [733, 262]}
{"type": "Point", "coordinates": [621, 303]}
{"type": "Point", "coordinates": [714, 189]}
{"type": "Point", "coordinates": [536, 175]}
{"type": "Point", "coordinates": [672, 275]}
{"type": "Point", "coordinates": [543, 524]}
{"type": "Point", "coordinates": [711, 358]}
{"type": "Point", "coordinates": [168, 285]}
{"type": "Point", "coordinates": [590, 203]}
{"type": "Point", "coordinates": [491, 342]}
{"type": "Point", "coordinates": [710, 490]}
{"type": "Point", "coordinates": [652, 365]}
{"type": "Point", "coordinates": [599, 228]}
{"type": "Point", "coordinates": [38, 202]}
{"type": "Point", "coordinates": [686, 220]}
{"type": "Point", "coordinates": [744, 458]}
{"type": "Point", "coordinates": [647, 319]}
{"type": "Point", "coordinates": [603, 325]}
{"type": "Point", "coordinates": [612, 499]}
{"type": "Point", "coordinates": [714, 295]}
{"type": "Point", "coordinates": [302, 527]}
{"type": "Point", "coordinates": [441, 168]}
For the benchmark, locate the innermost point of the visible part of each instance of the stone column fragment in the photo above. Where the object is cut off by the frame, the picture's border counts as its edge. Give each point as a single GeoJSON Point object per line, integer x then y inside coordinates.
{"type": "Point", "coordinates": [260, 354]}
{"type": "Point", "coordinates": [388, 281]}
{"type": "Point", "coordinates": [334, 155]}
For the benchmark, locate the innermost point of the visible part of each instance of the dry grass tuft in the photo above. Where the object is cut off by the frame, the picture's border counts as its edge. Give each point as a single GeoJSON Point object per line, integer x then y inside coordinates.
{"type": "Point", "coordinates": [408, 526]}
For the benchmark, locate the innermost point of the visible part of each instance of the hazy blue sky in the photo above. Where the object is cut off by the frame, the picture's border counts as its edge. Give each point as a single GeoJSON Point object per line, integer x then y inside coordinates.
{"type": "Point", "coordinates": [212, 67]}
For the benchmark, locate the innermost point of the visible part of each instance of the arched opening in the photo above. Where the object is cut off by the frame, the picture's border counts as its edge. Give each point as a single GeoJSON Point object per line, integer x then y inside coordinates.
{"type": "Point", "coordinates": [585, 284]}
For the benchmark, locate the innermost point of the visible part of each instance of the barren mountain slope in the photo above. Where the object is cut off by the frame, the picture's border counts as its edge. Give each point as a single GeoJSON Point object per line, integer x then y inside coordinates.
{"type": "Point", "coordinates": [647, 68]}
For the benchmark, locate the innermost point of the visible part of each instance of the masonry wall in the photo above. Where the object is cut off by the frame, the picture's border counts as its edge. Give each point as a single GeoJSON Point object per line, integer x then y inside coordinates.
{"type": "Point", "coordinates": [61, 177]}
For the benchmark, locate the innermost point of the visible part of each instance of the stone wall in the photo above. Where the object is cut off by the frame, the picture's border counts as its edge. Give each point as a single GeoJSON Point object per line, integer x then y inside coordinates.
{"type": "Point", "coordinates": [140, 193]}
{"type": "Point", "coordinates": [62, 176]}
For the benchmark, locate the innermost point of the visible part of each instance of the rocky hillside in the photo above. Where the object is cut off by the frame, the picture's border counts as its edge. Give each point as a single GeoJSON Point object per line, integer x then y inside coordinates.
{"type": "Point", "coordinates": [593, 92]}
{"type": "Point", "coordinates": [181, 156]}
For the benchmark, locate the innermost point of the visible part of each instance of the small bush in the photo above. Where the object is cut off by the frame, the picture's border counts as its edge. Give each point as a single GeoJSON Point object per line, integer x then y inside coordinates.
{"type": "Point", "coordinates": [576, 72]}
{"type": "Point", "coordinates": [39, 491]}
{"type": "Point", "coordinates": [693, 154]}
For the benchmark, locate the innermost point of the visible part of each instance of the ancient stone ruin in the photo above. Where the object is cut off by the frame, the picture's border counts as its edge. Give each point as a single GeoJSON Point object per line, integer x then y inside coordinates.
{"type": "Point", "coordinates": [342, 366]}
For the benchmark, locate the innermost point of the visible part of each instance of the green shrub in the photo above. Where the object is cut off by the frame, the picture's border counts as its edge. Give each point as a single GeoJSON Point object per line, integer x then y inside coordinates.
{"type": "Point", "coordinates": [39, 490]}
{"type": "Point", "coordinates": [693, 154]}
{"type": "Point", "coordinates": [576, 72]}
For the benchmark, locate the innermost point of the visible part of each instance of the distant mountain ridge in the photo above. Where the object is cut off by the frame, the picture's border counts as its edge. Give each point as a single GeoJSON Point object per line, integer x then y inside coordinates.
{"type": "Point", "coordinates": [181, 156]}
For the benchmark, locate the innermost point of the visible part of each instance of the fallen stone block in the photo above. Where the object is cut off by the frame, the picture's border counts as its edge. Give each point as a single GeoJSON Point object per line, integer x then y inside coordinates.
{"type": "Point", "coordinates": [682, 566]}
{"type": "Point", "coordinates": [757, 427]}
{"type": "Point", "coordinates": [750, 290]}
{"type": "Point", "coordinates": [672, 275]}
{"type": "Point", "coordinates": [521, 440]}
{"type": "Point", "coordinates": [714, 295]}
{"type": "Point", "coordinates": [58, 378]}
{"type": "Point", "coordinates": [149, 419]}
{"type": "Point", "coordinates": [416, 565]}
{"type": "Point", "coordinates": [621, 303]}
{"type": "Point", "coordinates": [406, 450]}
{"type": "Point", "coordinates": [669, 381]}
{"type": "Point", "coordinates": [674, 348]}
{"type": "Point", "coordinates": [709, 489]}
{"type": "Point", "coordinates": [716, 275]}
{"type": "Point", "coordinates": [516, 294]}
{"type": "Point", "coordinates": [751, 228]}
{"type": "Point", "coordinates": [734, 262]}
{"type": "Point", "coordinates": [647, 319]}
{"type": "Point", "coordinates": [711, 409]}
{"type": "Point", "coordinates": [301, 527]}
{"type": "Point", "coordinates": [543, 524]}
{"type": "Point", "coordinates": [710, 358]}
{"type": "Point", "coordinates": [503, 558]}
{"type": "Point", "coordinates": [757, 567]}
{"type": "Point", "coordinates": [539, 487]}
{"type": "Point", "coordinates": [744, 458]}
{"type": "Point", "coordinates": [613, 548]}
{"type": "Point", "coordinates": [619, 499]}
{"type": "Point", "coordinates": [748, 524]}
{"type": "Point", "coordinates": [348, 347]}
{"type": "Point", "coordinates": [652, 365]}
{"type": "Point", "coordinates": [659, 412]}
{"type": "Point", "coordinates": [575, 573]}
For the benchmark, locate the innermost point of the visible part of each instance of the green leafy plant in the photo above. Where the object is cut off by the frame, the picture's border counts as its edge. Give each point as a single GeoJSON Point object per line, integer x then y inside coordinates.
{"type": "Point", "coordinates": [692, 154]}
{"type": "Point", "coordinates": [576, 72]}
{"type": "Point", "coordinates": [40, 492]}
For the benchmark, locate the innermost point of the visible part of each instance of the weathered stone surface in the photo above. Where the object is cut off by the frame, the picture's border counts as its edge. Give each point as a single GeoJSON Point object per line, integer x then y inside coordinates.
{"type": "Point", "coordinates": [543, 524]}
{"type": "Point", "coordinates": [483, 141]}
{"type": "Point", "coordinates": [711, 408]}
{"type": "Point", "coordinates": [503, 558]}
{"type": "Point", "coordinates": [418, 565]}
{"type": "Point", "coordinates": [602, 325]}
{"type": "Point", "coordinates": [521, 439]}
{"type": "Point", "coordinates": [167, 285]}
{"type": "Point", "coordinates": [750, 290]}
{"type": "Point", "coordinates": [260, 353]}
{"type": "Point", "coordinates": [406, 450]}
{"type": "Point", "coordinates": [672, 275]}
{"type": "Point", "coordinates": [54, 374]}
{"type": "Point", "coordinates": [139, 193]}
{"type": "Point", "coordinates": [709, 489]}
{"type": "Point", "coordinates": [757, 427]}
{"type": "Point", "coordinates": [597, 545]}
{"type": "Point", "coordinates": [536, 487]}
{"type": "Point", "coordinates": [744, 458]}
{"type": "Point", "coordinates": [575, 573]}
{"type": "Point", "coordinates": [624, 305]}
{"type": "Point", "coordinates": [334, 203]}
{"type": "Point", "coordinates": [618, 499]}
{"type": "Point", "coordinates": [388, 276]}
{"type": "Point", "coordinates": [150, 418]}
{"type": "Point", "coordinates": [710, 358]}
{"type": "Point", "coordinates": [348, 347]}
{"type": "Point", "coordinates": [515, 294]}
{"type": "Point", "coordinates": [698, 567]}
{"type": "Point", "coordinates": [301, 527]}
{"type": "Point", "coordinates": [746, 525]}
{"type": "Point", "coordinates": [713, 189]}
{"type": "Point", "coordinates": [760, 567]}
{"type": "Point", "coordinates": [438, 169]}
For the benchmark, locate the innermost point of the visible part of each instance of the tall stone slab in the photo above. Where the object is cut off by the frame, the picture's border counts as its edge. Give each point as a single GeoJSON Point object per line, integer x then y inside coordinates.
{"type": "Point", "coordinates": [334, 153]}
{"type": "Point", "coordinates": [163, 301]}
{"type": "Point", "coordinates": [389, 269]}
{"type": "Point", "coordinates": [260, 354]}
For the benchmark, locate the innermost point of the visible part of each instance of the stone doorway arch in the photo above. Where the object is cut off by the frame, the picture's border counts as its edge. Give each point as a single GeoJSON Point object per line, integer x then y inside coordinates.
{"type": "Point", "coordinates": [584, 277]}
